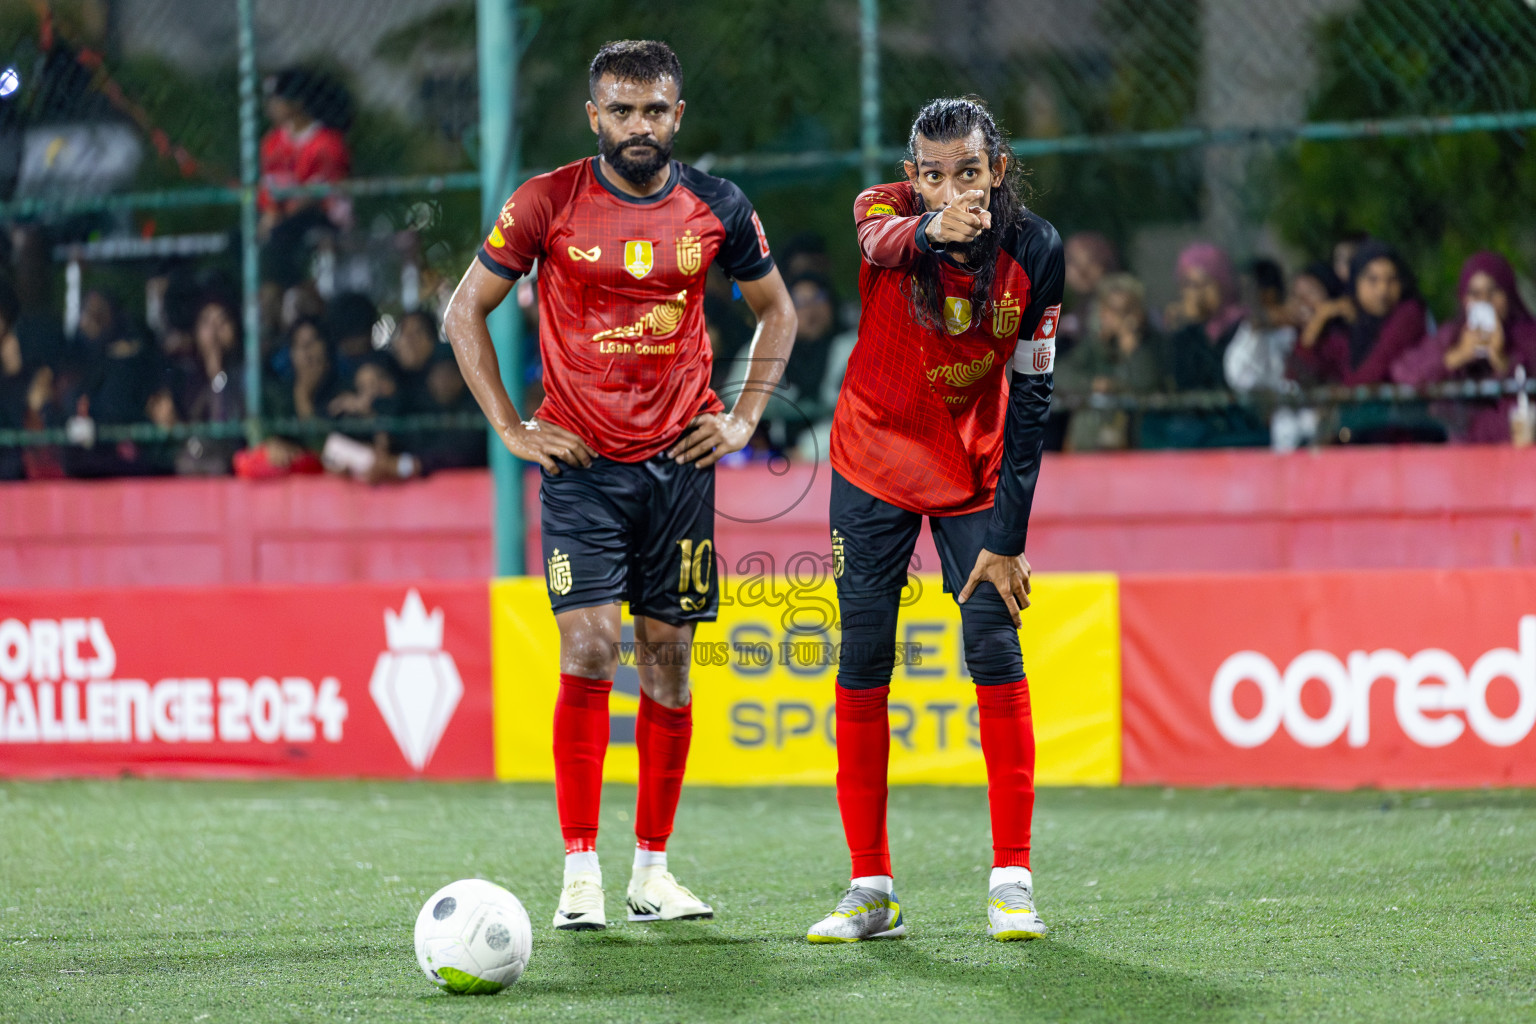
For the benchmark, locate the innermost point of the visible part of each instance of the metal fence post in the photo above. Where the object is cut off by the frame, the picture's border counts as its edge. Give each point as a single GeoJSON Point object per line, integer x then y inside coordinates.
{"type": "Point", "coordinates": [869, 90]}
{"type": "Point", "coordinates": [250, 277]}
{"type": "Point", "coordinates": [496, 40]}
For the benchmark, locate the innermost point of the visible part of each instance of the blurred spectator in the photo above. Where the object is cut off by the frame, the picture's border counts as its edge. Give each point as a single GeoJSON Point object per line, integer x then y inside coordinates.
{"type": "Point", "coordinates": [311, 383]}
{"type": "Point", "coordinates": [1204, 319]}
{"type": "Point", "coordinates": [15, 381]}
{"type": "Point", "coordinates": [414, 345]}
{"type": "Point", "coordinates": [211, 391]}
{"type": "Point", "coordinates": [1491, 335]}
{"type": "Point", "coordinates": [1120, 358]}
{"type": "Point", "coordinates": [805, 253]}
{"type": "Point", "coordinates": [302, 393]}
{"type": "Point", "coordinates": [349, 320]}
{"type": "Point", "coordinates": [806, 393]}
{"type": "Point", "coordinates": [309, 113]}
{"type": "Point", "coordinates": [427, 451]}
{"type": "Point", "coordinates": [1344, 251]}
{"type": "Point", "coordinates": [1089, 256]}
{"type": "Point", "coordinates": [1257, 357]}
{"type": "Point", "coordinates": [1386, 319]}
{"type": "Point", "coordinates": [1319, 301]}
{"type": "Point", "coordinates": [375, 391]}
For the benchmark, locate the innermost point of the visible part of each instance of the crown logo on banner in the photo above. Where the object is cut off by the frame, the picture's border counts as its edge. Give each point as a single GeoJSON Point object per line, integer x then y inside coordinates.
{"type": "Point", "coordinates": [413, 629]}
{"type": "Point", "coordinates": [415, 683]}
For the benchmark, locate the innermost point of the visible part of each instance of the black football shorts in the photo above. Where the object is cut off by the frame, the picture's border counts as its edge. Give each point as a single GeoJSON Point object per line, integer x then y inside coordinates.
{"type": "Point", "coordinates": [639, 532]}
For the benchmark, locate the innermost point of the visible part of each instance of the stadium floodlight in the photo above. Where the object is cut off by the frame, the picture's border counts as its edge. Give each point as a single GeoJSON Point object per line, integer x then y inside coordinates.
{"type": "Point", "coordinates": [10, 81]}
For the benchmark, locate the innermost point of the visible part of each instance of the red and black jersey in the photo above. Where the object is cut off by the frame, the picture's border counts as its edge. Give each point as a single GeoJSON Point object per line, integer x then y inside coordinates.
{"type": "Point", "coordinates": [928, 418]}
{"type": "Point", "coordinates": [621, 296]}
{"type": "Point", "coordinates": [317, 154]}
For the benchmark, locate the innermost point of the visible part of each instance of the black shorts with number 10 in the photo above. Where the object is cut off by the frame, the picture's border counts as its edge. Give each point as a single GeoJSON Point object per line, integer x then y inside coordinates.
{"type": "Point", "coordinates": [639, 532]}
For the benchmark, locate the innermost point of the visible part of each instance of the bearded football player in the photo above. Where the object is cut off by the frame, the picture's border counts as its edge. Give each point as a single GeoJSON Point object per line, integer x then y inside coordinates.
{"type": "Point", "coordinates": [627, 436]}
{"type": "Point", "coordinates": [942, 414]}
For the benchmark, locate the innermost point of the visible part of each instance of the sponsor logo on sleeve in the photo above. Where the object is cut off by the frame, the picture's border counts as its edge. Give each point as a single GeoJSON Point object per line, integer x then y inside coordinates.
{"type": "Point", "coordinates": [881, 210]}
{"type": "Point", "coordinates": [1047, 329]}
{"type": "Point", "coordinates": [762, 236]}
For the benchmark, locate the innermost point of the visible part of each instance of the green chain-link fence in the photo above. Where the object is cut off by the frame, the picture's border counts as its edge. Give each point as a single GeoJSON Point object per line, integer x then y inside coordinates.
{"type": "Point", "coordinates": [1270, 128]}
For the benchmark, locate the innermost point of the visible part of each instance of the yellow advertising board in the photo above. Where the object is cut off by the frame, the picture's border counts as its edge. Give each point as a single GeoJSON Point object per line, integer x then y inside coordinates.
{"type": "Point", "coordinates": [763, 679]}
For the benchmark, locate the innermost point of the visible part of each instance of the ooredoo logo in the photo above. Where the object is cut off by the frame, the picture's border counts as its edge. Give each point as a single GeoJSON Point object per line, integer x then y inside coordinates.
{"type": "Point", "coordinates": [1431, 682]}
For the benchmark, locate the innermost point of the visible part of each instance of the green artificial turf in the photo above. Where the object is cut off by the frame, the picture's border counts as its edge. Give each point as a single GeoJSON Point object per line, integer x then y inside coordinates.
{"type": "Point", "coordinates": [278, 901]}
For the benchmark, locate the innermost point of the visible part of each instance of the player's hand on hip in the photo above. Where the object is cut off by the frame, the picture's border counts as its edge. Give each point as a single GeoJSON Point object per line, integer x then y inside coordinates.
{"type": "Point", "coordinates": [710, 437]}
{"type": "Point", "coordinates": [961, 220]}
{"type": "Point", "coordinates": [546, 444]}
{"type": "Point", "coordinates": [1008, 573]}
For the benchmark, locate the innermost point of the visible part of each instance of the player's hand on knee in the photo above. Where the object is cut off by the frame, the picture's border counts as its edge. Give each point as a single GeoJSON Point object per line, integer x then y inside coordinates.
{"type": "Point", "coordinates": [962, 219]}
{"type": "Point", "coordinates": [1008, 573]}
{"type": "Point", "coordinates": [547, 444]}
{"type": "Point", "coordinates": [710, 437]}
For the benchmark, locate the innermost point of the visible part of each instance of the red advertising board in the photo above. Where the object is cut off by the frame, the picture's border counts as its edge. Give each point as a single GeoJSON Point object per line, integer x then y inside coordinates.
{"type": "Point", "coordinates": [362, 680]}
{"type": "Point", "coordinates": [1337, 680]}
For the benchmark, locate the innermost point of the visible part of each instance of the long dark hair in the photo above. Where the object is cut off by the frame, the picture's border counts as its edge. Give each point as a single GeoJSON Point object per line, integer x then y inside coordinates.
{"type": "Point", "coordinates": [947, 120]}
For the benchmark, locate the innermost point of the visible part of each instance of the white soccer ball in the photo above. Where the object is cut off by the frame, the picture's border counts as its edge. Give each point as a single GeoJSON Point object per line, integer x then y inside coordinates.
{"type": "Point", "coordinates": [473, 937]}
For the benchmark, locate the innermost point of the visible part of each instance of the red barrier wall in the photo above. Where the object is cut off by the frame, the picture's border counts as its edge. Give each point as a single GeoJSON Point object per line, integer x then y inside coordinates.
{"type": "Point", "coordinates": [1430, 507]}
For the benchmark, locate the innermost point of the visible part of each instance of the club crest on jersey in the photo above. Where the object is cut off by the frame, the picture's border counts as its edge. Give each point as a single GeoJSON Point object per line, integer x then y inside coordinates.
{"type": "Point", "coordinates": [560, 573]}
{"type": "Point", "coordinates": [1005, 316]}
{"type": "Point", "coordinates": [638, 258]}
{"type": "Point", "coordinates": [591, 255]}
{"type": "Point", "coordinates": [957, 315]}
{"type": "Point", "coordinates": [690, 253]}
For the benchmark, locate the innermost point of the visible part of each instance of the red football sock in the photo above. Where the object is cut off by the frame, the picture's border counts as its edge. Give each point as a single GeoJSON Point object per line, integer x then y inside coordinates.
{"type": "Point", "coordinates": [1008, 744]}
{"type": "Point", "coordinates": [863, 754]}
{"type": "Point", "coordinates": [662, 734]}
{"type": "Point", "coordinates": [581, 741]}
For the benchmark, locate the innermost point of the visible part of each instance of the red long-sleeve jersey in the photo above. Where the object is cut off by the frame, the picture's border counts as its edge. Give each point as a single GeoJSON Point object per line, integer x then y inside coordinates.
{"type": "Point", "coordinates": [929, 420]}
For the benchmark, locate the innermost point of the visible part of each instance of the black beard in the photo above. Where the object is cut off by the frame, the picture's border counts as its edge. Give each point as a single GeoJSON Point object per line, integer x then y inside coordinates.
{"type": "Point", "coordinates": [977, 251]}
{"type": "Point", "coordinates": [635, 171]}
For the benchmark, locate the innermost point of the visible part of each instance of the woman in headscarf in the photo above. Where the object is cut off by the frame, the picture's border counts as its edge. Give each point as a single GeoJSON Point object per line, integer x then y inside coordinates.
{"type": "Point", "coordinates": [1204, 321]}
{"type": "Point", "coordinates": [1491, 335]}
{"type": "Point", "coordinates": [1388, 320]}
{"type": "Point", "coordinates": [1210, 312]}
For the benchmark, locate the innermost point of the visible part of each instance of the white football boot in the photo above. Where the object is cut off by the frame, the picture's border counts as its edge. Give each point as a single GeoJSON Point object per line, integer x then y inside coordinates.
{"type": "Point", "coordinates": [862, 913]}
{"type": "Point", "coordinates": [581, 904]}
{"type": "Point", "coordinates": [654, 895]}
{"type": "Point", "coordinates": [1011, 913]}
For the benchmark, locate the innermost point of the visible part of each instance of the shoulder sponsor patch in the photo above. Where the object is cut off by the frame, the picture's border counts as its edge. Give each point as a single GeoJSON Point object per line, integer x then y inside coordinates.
{"type": "Point", "coordinates": [880, 209]}
{"type": "Point", "coordinates": [762, 237]}
{"type": "Point", "coordinates": [1047, 329]}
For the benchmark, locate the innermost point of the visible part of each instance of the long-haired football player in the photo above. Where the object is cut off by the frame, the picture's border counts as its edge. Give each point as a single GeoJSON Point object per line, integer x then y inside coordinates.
{"type": "Point", "coordinates": [942, 414]}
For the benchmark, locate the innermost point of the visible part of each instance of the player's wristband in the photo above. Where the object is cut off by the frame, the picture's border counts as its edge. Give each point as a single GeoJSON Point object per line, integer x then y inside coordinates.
{"type": "Point", "coordinates": [924, 243]}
